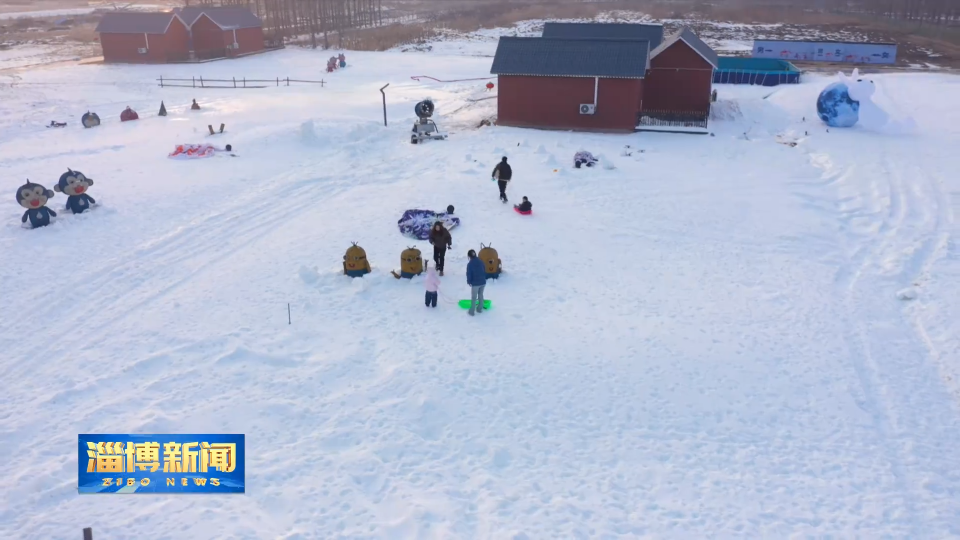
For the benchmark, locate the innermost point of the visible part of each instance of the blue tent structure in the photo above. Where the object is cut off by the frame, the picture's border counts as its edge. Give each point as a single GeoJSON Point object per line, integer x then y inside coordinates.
{"type": "Point", "coordinates": [759, 71]}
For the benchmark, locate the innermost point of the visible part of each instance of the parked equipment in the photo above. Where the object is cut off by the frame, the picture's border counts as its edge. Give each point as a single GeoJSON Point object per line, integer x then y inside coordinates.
{"type": "Point", "coordinates": [425, 129]}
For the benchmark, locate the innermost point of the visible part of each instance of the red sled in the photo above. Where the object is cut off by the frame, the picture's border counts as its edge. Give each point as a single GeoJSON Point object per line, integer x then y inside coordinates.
{"type": "Point", "coordinates": [521, 212]}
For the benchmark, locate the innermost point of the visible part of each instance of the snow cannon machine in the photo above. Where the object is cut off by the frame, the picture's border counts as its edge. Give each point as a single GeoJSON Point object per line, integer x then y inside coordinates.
{"type": "Point", "coordinates": [425, 128]}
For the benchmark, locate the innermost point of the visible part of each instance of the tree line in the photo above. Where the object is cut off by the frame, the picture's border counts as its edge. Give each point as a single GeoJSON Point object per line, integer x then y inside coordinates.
{"type": "Point", "coordinates": [284, 19]}
{"type": "Point", "coordinates": [937, 12]}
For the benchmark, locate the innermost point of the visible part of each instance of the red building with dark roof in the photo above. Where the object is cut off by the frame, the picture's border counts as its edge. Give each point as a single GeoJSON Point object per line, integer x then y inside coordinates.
{"type": "Point", "coordinates": [223, 31]}
{"type": "Point", "coordinates": [141, 38]}
{"type": "Point", "coordinates": [192, 33]}
{"type": "Point", "coordinates": [604, 77]}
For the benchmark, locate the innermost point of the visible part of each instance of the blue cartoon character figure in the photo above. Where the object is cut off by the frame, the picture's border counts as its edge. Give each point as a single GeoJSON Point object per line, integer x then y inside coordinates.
{"type": "Point", "coordinates": [34, 198]}
{"type": "Point", "coordinates": [74, 185]}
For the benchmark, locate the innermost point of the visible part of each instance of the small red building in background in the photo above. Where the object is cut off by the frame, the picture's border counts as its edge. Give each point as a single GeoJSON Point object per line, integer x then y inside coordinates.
{"type": "Point", "coordinates": [192, 33]}
{"type": "Point", "coordinates": [223, 31]}
{"type": "Point", "coordinates": [575, 78]}
{"type": "Point", "coordinates": [134, 37]}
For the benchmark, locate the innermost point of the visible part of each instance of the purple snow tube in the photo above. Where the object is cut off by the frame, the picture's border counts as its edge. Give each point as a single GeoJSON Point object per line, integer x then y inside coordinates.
{"type": "Point", "coordinates": [417, 223]}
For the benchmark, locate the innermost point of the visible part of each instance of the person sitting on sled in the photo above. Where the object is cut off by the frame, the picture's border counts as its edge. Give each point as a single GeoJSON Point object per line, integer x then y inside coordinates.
{"type": "Point", "coordinates": [525, 206]}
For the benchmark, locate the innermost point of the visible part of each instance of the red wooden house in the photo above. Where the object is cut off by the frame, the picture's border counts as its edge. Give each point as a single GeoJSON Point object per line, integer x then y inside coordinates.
{"type": "Point", "coordinates": [191, 33]}
{"type": "Point", "coordinates": [223, 31]}
{"type": "Point", "coordinates": [137, 37]}
{"type": "Point", "coordinates": [604, 77]}
{"type": "Point", "coordinates": [680, 78]}
{"type": "Point", "coordinates": [589, 84]}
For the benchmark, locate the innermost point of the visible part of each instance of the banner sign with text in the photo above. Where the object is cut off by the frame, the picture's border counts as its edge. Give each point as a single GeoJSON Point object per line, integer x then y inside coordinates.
{"type": "Point", "coordinates": [122, 463]}
{"type": "Point", "coordinates": [826, 51]}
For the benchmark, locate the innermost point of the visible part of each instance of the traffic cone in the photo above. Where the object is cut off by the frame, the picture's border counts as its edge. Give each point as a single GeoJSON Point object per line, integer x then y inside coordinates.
{"type": "Point", "coordinates": [163, 110]}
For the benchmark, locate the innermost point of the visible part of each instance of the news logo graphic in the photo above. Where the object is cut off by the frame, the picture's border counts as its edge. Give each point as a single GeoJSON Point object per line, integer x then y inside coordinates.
{"type": "Point", "coordinates": [123, 463]}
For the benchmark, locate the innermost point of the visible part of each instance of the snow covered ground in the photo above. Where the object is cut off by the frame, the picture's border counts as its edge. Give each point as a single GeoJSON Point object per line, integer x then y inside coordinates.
{"type": "Point", "coordinates": [46, 13]}
{"type": "Point", "coordinates": [708, 340]}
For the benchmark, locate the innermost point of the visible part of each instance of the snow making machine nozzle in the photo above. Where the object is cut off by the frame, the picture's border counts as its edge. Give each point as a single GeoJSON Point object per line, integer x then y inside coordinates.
{"type": "Point", "coordinates": [425, 129]}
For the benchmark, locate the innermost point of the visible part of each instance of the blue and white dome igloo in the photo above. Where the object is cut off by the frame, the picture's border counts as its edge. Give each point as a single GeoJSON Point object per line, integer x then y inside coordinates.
{"type": "Point", "coordinates": [839, 103]}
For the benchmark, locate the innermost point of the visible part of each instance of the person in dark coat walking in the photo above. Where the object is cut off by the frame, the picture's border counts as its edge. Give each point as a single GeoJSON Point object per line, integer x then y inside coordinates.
{"type": "Point", "coordinates": [477, 279]}
{"type": "Point", "coordinates": [441, 240]}
{"type": "Point", "coordinates": [503, 173]}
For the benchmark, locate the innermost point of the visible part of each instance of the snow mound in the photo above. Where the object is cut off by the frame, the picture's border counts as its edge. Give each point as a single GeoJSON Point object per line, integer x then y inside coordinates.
{"type": "Point", "coordinates": [307, 131]}
{"type": "Point", "coordinates": [726, 110]}
{"type": "Point", "coordinates": [605, 162]}
{"type": "Point", "coordinates": [310, 276]}
{"type": "Point", "coordinates": [910, 293]}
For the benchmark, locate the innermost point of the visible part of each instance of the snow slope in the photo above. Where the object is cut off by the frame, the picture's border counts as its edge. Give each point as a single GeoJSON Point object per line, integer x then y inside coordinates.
{"type": "Point", "coordinates": [705, 341]}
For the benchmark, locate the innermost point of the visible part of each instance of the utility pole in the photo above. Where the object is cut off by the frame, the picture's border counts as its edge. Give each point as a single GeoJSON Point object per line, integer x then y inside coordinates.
{"type": "Point", "coordinates": [384, 104]}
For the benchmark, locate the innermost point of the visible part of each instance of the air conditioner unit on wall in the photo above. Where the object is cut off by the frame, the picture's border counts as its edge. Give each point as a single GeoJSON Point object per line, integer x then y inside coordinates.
{"type": "Point", "coordinates": [233, 46]}
{"type": "Point", "coordinates": [142, 50]}
{"type": "Point", "coordinates": [588, 108]}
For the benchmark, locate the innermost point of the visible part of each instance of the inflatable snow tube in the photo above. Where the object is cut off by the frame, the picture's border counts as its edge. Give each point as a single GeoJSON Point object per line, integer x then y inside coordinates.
{"type": "Point", "coordinates": [192, 151]}
{"type": "Point", "coordinates": [90, 120]}
{"type": "Point", "coordinates": [129, 114]}
{"type": "Point", "coordinates": [521, 212]}
{"type": "Point", "coordinates": [416, 223]}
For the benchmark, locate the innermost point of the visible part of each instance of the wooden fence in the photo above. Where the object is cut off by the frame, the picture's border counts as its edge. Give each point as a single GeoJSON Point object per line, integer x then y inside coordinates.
{"type": "Point", "coordinates": [243, 82]}
{"type": "Point", "coordinates": [673, 119]}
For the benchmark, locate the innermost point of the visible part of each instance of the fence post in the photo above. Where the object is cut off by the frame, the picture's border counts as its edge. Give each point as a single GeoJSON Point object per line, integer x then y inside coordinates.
{"type": "Point", "coordinates": [88, 533]}
{"type": "Point", "coordinates": [384, 104]}
{"type": "Point", "coordinates": [244, 82]}
{"type": "Point", "coordinates": [288, 81]}
{"type": "Point", "coordinates": [161, 81]}
{"type": "Point", "coordinates": [278, 81]}
{"type": "Point", "coordinates": [234, 82]}
{"type": "Point", "coordinates": [201, 81]}
{"type": "Point", "coordinates": [194, 81]}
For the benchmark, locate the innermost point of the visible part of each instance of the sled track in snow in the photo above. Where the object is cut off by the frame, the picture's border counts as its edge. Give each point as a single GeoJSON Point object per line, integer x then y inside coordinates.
{"type": "Point", "coordinates": [114, 292]}
{"type": "Point", "coordinates": [898, 389]}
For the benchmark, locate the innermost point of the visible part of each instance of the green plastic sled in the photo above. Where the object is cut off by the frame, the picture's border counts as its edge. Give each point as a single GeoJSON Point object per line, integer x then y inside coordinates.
{"type": "Point", "coordinates": [465, 304]}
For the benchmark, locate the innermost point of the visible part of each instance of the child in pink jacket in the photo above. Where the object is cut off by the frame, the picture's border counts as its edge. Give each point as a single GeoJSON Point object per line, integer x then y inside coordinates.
{"type": "Point", "coordinates": [432, 283]}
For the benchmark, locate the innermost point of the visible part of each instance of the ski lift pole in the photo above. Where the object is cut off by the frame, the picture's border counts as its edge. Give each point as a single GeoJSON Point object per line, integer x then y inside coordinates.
{"type": "Point", "coordinates": [384, 104]}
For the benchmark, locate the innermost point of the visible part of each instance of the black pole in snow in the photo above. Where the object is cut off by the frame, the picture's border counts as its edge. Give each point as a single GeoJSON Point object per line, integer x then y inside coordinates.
{"type": "Point", "coordinates": [88, 533]}
{"type": "Point", "coordinates": [288, 314]}
{"type": "Point", "coordinates": [384, 104]}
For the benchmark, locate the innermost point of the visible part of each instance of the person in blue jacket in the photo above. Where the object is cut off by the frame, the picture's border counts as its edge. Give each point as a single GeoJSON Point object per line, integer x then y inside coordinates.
{"type": "Point", "coordinates": [477, 279]}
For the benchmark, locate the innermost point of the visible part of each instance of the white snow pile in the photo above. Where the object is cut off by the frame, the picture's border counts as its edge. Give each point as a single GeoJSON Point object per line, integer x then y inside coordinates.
{"type": "Point", "coordinates": [706, 342]}
{"type": "Point", "coordinates": [910, 293]}
{"type": "Point", "coordinates": [725, 109]}
{"type": "Point", "coordinates": [307, 131]}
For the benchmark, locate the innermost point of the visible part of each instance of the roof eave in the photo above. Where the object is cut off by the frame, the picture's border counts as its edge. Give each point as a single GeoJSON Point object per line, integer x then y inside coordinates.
{"type": "Point", "coordinates": [569, 76]}
{"type": "Point", "coordinates": [211, 20]}
{"type": "Point", "coordinates": [175, 16]}
{"type": "Point", "coordinates": [668, 43]}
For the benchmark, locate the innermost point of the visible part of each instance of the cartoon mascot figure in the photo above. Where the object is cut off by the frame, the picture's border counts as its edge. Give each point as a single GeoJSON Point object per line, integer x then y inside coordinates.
{"type": "Point", "coordinates": [34, 198]}
{"type": "Point", "coordinates": [74, 185]}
